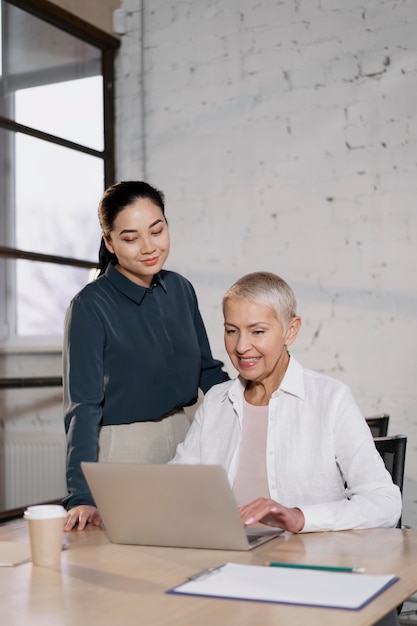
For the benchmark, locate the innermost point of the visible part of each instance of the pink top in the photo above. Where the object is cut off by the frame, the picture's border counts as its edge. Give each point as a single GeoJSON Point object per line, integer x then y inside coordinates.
{"type": "Point", "coordinates": [251, 479]}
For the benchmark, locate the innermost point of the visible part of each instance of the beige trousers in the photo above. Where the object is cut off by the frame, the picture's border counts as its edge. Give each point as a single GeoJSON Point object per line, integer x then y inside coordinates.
{"type": "Point", "coordinates": [143, 442]}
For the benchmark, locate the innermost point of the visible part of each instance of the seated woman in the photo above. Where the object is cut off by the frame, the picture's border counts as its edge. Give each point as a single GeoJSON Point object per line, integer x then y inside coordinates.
{"type": "Point", "coordinates": [296, 447]}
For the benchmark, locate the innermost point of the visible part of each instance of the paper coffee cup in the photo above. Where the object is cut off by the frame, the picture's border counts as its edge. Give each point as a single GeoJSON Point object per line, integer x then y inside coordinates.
{"type": "Point", "coordinates": [46, 526]}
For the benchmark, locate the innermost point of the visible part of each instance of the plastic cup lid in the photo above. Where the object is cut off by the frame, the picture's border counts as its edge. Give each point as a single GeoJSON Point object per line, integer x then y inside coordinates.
{"type": "Point", "coordinates": [45, 511]}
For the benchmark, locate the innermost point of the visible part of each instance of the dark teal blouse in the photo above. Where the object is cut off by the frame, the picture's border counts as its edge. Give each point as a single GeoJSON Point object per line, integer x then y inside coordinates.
{"type": "Point", "coordinates": [130, 354]}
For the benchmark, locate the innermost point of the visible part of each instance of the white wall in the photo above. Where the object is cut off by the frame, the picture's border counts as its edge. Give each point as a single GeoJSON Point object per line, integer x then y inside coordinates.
{"type": "Point", "coordinates": [284, 134]}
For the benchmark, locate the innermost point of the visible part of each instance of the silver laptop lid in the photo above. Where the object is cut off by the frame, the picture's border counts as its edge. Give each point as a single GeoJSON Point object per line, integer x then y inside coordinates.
{"type": "Point", "coordinates": [168, 505]}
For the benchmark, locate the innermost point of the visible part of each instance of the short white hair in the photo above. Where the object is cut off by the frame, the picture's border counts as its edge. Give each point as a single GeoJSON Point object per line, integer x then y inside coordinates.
{"type": "Point", "coordinates": [268, 289]}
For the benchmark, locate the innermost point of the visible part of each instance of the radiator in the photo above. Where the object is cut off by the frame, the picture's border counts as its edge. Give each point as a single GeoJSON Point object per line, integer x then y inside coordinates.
{"type": "Point", "coordinates": [32, 468]}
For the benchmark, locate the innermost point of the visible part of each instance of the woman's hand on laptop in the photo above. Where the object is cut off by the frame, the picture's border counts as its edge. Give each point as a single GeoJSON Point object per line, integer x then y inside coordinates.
{"type": "Point", "coordinates": [82, 515]}
{"type": "Point", "coordinates": [271, 513]}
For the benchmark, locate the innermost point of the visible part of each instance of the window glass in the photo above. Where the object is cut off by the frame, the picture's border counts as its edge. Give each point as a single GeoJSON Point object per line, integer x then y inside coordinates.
{"type": "Point", "coordinates": [56, 198]}
{"type": "Point", "coordinates": [72, 110]}
{"type": "Point", "coordinates": [40, 55]}
{"type": "Point", "coordinates": [41, 310]}
{"type": "Point", "coordinates": [52, 172]}
{"type": "Point", "coordinates": [55, 213]}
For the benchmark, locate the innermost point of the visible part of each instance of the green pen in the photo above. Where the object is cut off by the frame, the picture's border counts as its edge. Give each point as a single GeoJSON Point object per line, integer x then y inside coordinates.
{"type": "Point", "coordinates": [323, 568]}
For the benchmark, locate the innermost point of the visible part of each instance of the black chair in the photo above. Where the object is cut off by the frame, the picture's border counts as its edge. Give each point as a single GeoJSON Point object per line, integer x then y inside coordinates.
{"type": "Point", "coordinates": [392, 450]}
{"type": "Point", "coordinates": [378, 424]}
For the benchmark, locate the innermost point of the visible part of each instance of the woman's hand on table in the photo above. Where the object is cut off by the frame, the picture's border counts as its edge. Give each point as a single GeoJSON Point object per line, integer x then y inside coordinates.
{"type": "Point", "coordinates": [271, 513]}
{"type": "Point", "coordinates": [82, 515]}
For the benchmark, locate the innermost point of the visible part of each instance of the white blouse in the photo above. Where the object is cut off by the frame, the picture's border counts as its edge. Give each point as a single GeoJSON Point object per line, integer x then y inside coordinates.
{"type": "Point", "coordinates": [317, 441]}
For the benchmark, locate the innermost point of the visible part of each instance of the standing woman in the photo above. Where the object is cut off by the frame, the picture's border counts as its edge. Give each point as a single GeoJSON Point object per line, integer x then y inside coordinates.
{"type": "Point", "coordinates": [135, 348]}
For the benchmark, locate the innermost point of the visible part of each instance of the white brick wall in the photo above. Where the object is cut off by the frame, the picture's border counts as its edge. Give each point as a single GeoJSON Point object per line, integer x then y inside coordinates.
{"type": "Point", "coordinates": [284, 135]}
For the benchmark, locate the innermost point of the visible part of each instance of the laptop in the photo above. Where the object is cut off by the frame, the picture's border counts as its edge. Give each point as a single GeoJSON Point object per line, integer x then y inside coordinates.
{"type": "Point", "coordinates": [187, 506]}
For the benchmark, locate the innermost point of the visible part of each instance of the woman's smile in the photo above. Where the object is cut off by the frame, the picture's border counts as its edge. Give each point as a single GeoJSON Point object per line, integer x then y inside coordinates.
{"type": "Point", "coordinates": [150, 262]}
{"type": "Point", "coordinates": [248, 361]}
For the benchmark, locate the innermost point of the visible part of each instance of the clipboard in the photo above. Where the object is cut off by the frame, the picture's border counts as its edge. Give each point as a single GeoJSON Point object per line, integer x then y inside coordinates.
{"type": "Point", "coordinates": [302, 587]}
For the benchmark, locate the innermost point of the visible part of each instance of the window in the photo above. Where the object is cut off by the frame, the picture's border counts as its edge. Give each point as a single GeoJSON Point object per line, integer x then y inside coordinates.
{"type": "Point", "coordinates": [56, 158]}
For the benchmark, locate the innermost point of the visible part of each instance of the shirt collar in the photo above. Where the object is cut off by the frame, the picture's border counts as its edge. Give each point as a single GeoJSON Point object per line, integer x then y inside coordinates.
{"type": "Point", "coordinates": [129, 288]}
{"type": "Point", "coordinates": [293, 381]}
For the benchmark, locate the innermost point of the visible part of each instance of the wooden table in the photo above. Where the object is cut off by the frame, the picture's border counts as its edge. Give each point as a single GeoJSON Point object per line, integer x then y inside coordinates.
{"type": "Point", "coordinates": [114, 585]}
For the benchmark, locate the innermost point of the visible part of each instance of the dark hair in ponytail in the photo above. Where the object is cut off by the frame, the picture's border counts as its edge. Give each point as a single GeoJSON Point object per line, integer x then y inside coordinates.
{"type": "Point", "coordinates": [115, 199]}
